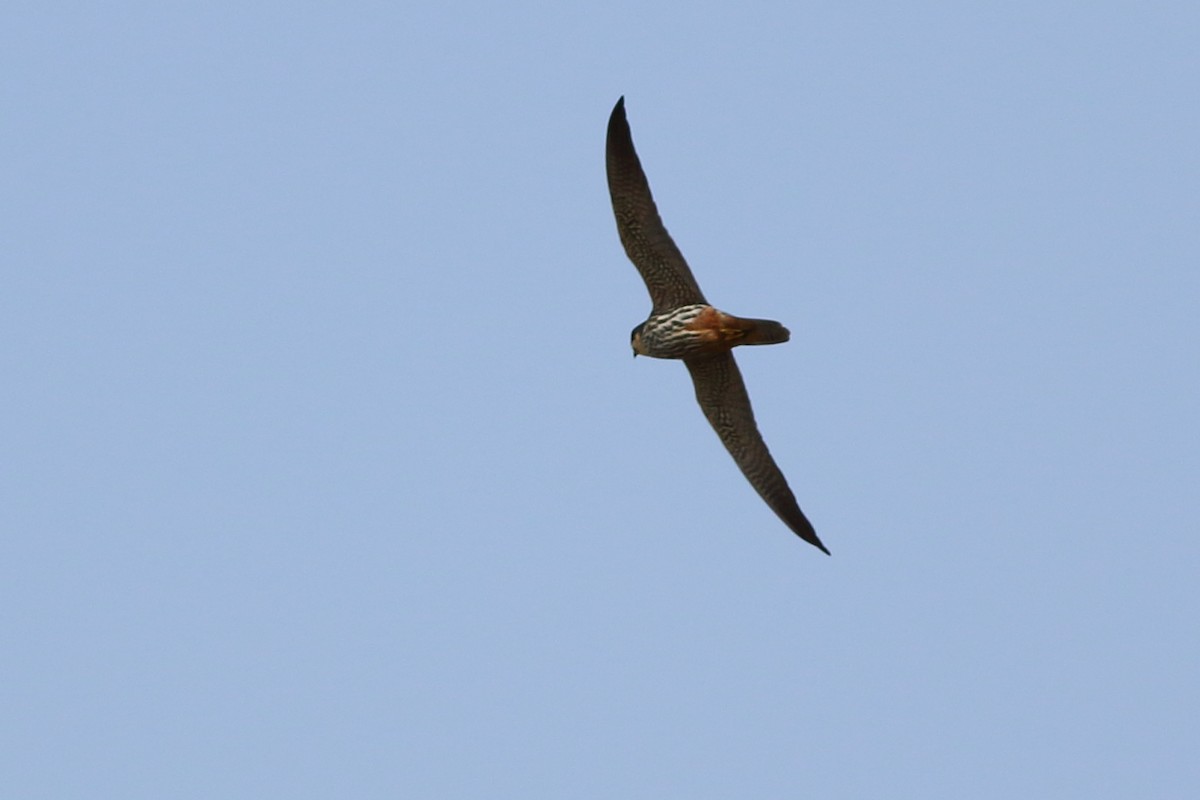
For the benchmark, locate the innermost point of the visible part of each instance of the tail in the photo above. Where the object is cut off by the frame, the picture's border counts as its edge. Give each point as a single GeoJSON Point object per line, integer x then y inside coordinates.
{"type": "Point", "coordinates": [760, 331]}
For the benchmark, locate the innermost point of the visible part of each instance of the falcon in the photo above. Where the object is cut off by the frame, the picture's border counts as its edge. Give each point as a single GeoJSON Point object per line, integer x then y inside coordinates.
{"type": "Point", "coordinates": [682, 325]}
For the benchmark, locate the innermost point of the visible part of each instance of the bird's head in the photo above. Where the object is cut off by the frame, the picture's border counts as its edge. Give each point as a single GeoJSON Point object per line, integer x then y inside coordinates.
{"type": "Point", "coordinates": [635, 341]}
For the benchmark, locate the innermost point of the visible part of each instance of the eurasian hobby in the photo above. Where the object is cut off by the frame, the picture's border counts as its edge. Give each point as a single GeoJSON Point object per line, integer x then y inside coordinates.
{"type": "Point", "coordinates": [684, 326]}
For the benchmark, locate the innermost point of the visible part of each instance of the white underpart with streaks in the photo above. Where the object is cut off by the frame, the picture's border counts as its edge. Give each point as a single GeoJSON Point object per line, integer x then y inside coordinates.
{"type": "Point", "coordinates": [666, 335]}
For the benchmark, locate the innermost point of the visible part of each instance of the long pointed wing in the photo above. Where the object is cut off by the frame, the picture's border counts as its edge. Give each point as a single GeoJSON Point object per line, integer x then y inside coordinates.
{"type": "Point", "coordinates": [646, 240]}
{"type": "Point", "coordinates": [721, 393]}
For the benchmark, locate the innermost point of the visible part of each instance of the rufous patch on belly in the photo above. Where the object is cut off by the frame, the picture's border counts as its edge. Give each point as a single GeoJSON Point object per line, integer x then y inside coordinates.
{"type": "Point", "coordinates": [716, 328]}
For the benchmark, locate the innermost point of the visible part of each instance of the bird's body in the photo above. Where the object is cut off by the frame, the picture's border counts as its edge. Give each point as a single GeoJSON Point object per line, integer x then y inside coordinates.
{"type": "Point", "coordinates": [699, 329]}
{"type": "Point", "coordinates": [683, 325]}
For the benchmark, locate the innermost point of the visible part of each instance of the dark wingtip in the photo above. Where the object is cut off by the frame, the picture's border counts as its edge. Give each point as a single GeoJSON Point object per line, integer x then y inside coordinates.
{"type": "Point", "coordinates": [798, 524]}
{"type": "Point", "coordinates": [618, 113]}
{"type": "Point", "coordinates": [810, 536]}
{"type": "Point", "coordinates": [815, 542]}
{"type": "Point", "coordinates": [619, 143]}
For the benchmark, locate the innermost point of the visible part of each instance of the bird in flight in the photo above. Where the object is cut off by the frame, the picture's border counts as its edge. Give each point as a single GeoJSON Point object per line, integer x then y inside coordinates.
{"type": "Point", "coordinates": [682, 325]}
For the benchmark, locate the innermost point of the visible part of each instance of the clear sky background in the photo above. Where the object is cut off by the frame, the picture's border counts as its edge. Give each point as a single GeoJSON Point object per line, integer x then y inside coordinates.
{"type": "Point", "coordinates": [327, 471]}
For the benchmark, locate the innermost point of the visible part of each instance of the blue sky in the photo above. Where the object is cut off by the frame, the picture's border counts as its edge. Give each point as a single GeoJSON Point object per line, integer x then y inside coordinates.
{"type": "Point", "coordinates": [328, 472]}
